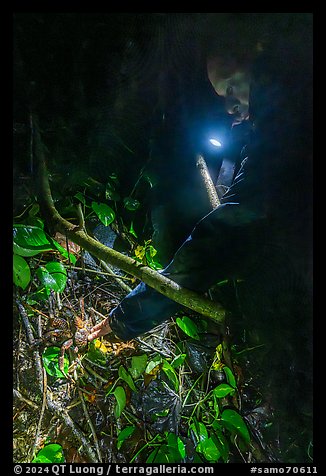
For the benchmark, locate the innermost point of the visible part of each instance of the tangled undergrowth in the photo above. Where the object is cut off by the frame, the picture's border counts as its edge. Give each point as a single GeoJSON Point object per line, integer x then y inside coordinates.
{"type": "Point", "coordinates": [173, 395]}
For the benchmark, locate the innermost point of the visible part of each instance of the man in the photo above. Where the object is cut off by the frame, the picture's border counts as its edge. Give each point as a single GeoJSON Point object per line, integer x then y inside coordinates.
{"type": "Point", "coordinates": [260, 237]}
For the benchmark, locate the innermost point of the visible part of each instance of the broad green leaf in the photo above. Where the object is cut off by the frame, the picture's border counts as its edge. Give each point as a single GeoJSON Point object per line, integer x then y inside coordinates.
{"type": "Point", "coordinates": [124, 435]}
{"type": "Point", "coordinates": [199, 430]}
{"type": "Point", "coordinates": [131, 204]}
{"type": "Point", "coordinates": [120, 396]}
{"type": "Point", "coordinates": [50, 359]}
{"type": "Point", "coordinates": [236, 420]}
{"type": "Point", "coordinates": [22, 272]}
{"type": "Point", "coordinates": [209, 449]}
{"type": "Point", "coordinates": [188, 327]}
{"type": "Point", "coordinates": [222, 445]}
{"type": "Point", "coordinates": [230, 377]}
{"type": "Point", "coordinates": [138, 365]}
{"type": "Point", "coordinates": [132, 230]}
{"type": "Point", "coordinates": [19, 250]}
{"type": "Point", "coordinates": [157, 360]}
{"type": "Point", "coordinates": [222, 390]}
{"type": "Point", "coordinates": [175, 442]}
{"type": "Point", "coordinates": [163, 454]}
{"type": "Point", "coordinates": [104, 213]}
{"type": "Point", "coordinates": [81, 197]}
{"type": "Point", "coordinates": [31, 237]}
{"type": "Point", "coordinates": [124, 375]}
{"type": "Point", "coordinates": [64, 252]}
{"type": "Point", "coordinates": [170, 373]}
{"type": "Point", "coordinates": [53, 276]}
{"type": "Point", "coordinates": [154, 265]}
{"type": "Point", "coordinates": [178, 360]}
{"type": "Point", "coordinates": [52, 453]}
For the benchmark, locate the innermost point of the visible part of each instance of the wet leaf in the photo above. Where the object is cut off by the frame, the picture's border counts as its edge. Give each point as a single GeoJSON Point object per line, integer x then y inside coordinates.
{"type": "Point", "coordinates": [236, 421]}
{"type": "Point", "coordinates": [124, 435]}
{"type": "Point", "coordinates": [175, 442]}
{"type": "Point", "coordinates": [199, 430]}
{"type": "Point", "coordinates": [21, 273]}
{"type": "Point", "coordinates": [188, 327]}
{"type": "Point", "coordinates": [170, 373]}
{"type": "Point", "coordinates": [222, 445]}
{"type": "Point", "coordinates": [121, 399]}
{"type": "Point", "coordinates": [52, 453]}
{"type": "Point", "coordinates": [153, 365]}
{"type": "Point", "coordinates": [131, 204]}
{"type": "Point", "coordinates": [50, 359]}
{"type": "Point", "coordinates": [105, 213]}
{"type": "Point", "coordinates": [64, 252]}
{"type": "Point", "coordinates": [53, 276]}
{"type": "Point", "coordinates": [124, 375]}
{"type": "Point", "coordinates": [229, 376]}
{"type": "Point", "coordinates": [178, 360]}
{"type": "Point", "coordinates": [138, 365]}
{"type": "Point", "coordinates": [209, 449]}
{"type": "Point", "coordinates": [222, 390]}
{"type": "Point", "coordinates": [31, 237]}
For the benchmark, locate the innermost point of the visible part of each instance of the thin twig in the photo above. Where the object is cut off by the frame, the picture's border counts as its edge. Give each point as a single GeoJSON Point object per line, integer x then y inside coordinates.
{"type": "Point", "coordinates": [88, 419]}
{"type": "Point", "coordinates": [123, 285]}
{"type": "Point", "coordinates": [38, 429]}
{"type": "Point", "coordinates": [20, 396]}
{"type": "Point", "coordinates": [55, 408]}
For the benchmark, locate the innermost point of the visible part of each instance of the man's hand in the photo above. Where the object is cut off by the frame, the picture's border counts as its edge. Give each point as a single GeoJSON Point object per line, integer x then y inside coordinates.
{"type": "Point", "coordinates": [100, 329]}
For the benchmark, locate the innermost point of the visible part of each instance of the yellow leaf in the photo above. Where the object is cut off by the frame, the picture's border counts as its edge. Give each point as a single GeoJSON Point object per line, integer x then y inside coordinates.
{"type": "Point", "coordinates": [100, 346]}
{"type": "Point", "coordinates": [140, 252]}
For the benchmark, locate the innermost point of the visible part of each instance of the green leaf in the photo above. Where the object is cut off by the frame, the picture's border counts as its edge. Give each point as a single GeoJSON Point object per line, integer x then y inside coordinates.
{"type": "Point", "coordinates": [124, 435]}
{"type": "Point", "coordinates": [121, 399]}
{"type": "Point", "coordinates": [50, 359]}
{"type": "Point", "coordinates": [52, 453]}
{"type": "Point", "coordinates": [188, 327]}
{"type": "Point", "coordinates": [31, 237]}
{"type": "Point", "coordinates": [157, 360]}
{"type": "Point", "coordinates": [131, 204]}
{"type": "Point", "coordinates": [178, 360]}
{"type": "Point", "coordinates": [138, 365]}
{"type": "Point", "coordinates": [64, 252]}
{"type": "Point", "coordinates": [19, 250]}
{"type": "Point", "coordinates": [22, 272]}
{"type": "Point", "coordinates": [132, 230]}
{"type": "Point", "coordinates": [209, 449]}
{"type": "Point", "coordinates": [222, 445]}
{"type": "Point", "coordinates": [230, 377]}
{"type": "Point", "coordinates": [53, 276]}
{"type": "Point", "coordinates": [81, 197]}
{"type": "Point", "coordinates": [104, 213]}
{"type": "Point", "coordinates": [170, 373]}
{"type": "Point", "coordinates": [163, 454]}
{"type": "Point", "coordinates": [176, 443]}
{"type": "Point", "coordinates": [237, 422]}
{"type": "Point", "coordinates": [124, 375]}
{"type": "Point", "coordinates": [222, 390]}
{"type": "Point", "coordinates": [199, 430]}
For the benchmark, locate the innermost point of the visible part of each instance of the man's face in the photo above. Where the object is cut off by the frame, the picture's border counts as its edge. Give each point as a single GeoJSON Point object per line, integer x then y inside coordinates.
{"type": "Point", "coordinates": [231, 81]}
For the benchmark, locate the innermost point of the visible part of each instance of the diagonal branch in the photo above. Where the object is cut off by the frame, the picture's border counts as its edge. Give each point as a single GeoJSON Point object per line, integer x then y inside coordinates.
{"type": "Point", "coordinates": [160, 283]}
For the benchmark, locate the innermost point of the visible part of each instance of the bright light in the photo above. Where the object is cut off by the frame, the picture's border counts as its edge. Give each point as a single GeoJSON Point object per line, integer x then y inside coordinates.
{"type": "Point", "coordinates": [215, 142]}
